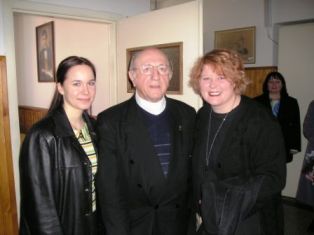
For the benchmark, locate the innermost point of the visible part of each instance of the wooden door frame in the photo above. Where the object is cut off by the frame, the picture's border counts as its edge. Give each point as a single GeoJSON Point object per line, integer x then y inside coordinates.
{"type": "Point", "coordinates": [8, 211]}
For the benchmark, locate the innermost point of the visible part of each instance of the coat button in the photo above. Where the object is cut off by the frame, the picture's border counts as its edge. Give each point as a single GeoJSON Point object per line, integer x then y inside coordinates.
{"type": "Point", "coordinates": [131, 161]}
{"type": "Point", "coordinates": [139, 185]}
{"type": "Point", "coordinates": [156, 207]}
{"type": "Point", "coordinates": [86, 190]}
{"type": "Point", "coordinates": [219, 165]}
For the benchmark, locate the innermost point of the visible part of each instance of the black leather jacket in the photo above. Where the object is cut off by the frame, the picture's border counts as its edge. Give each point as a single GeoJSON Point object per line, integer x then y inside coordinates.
{"type": "Point", "coordinates": [55, 177]}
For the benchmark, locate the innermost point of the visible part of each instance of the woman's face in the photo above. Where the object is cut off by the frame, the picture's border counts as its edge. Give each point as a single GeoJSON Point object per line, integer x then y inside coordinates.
{"type": "Point", "coordinates": [217, 90]}
{"type": "Point", "coordinates": [274, 85]}
{"type": "Point", "coordinates": [79, 88]}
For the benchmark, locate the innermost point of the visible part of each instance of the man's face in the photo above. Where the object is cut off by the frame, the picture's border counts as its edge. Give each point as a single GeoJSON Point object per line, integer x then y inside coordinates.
{"type": "Point", "coordinates": [151, 75]}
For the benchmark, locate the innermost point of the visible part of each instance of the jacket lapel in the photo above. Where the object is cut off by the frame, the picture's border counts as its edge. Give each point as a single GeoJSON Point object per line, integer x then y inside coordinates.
{"type": "Point", "coordinates": [64, 130]}
{"type": "Point", "coordinates": [176, 128]}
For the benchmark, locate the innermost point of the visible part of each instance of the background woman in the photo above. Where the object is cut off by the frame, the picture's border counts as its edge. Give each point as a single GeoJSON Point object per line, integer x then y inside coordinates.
{"type": "Point", "coordinates": [58, 158]}
{"type": "Point", "coordinates": [285, 108]}
{"type": "Point", "coordinates": [239, 157]}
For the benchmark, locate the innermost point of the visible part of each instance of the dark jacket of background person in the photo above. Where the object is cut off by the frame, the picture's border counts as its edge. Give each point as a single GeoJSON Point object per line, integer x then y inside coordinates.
{"type": "Point", "coordinates": [55, 176]}
{"type": "Point", "coordinates": [288, 117]}
{"type": "Point", "coordinates": [135, 196]}
{"type": "Point", "coordinates": [246, 176]}
{"type": "Point", "coordinates": [305, 191]}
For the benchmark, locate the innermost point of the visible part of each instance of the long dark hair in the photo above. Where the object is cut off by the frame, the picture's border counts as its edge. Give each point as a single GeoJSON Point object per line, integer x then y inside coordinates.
{"type": "Point", "coordinates": [63, 68]}
{"type": "Point", "coordinates": [275, 75]}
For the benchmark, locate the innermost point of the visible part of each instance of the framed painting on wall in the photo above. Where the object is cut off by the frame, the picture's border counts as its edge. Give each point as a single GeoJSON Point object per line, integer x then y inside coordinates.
{"type": "Point", "coordinates": [45, 52]}
{"type": "Point", "coordinates": [174, 53]}
{"type": "Point", "coordinates": [241, 40]}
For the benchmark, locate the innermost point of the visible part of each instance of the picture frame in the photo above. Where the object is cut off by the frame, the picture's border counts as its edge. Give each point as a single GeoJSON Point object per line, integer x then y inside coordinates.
{"type": "Point", "coordinates": [174, 52]}
{"type": "Point", "coordinates": [241, 40]}
{"type": "Point", "coordinates": [45, 52]}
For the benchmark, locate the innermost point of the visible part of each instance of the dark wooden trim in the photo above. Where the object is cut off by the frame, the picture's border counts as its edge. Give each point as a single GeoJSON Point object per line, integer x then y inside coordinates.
{"type": "Point", "coordinates": [29, 115]}
{"type": "Point", "coordinates": [256, 77]}
{"type": "Point", "coordinates": [8, 212]}
{"type": "Point", "coordinates": [262, 68]}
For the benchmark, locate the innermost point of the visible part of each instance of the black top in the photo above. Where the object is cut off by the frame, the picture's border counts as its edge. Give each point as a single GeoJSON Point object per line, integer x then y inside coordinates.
{"type": "Point", "coordinates": [246, 176]}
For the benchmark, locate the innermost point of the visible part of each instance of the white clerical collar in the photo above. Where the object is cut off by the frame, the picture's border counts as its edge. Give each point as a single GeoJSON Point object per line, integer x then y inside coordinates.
{"type": "Point", "coordinates": [154, 108]}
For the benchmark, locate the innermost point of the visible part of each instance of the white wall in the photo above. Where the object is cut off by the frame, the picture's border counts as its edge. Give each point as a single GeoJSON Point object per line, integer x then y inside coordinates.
{"type": "Point", "coordinates": [117, 7]}
{"type": "Point", "coordinates": [296, 57]}
{"type": "Point", "coordinates": [1, 29]}
{"type": "Point", "coordinates": [167, 25]}
{"type": "Point", "coordinates": [292, 10]}
{"type": "Point", "coordinates": [226, 14]}
{"type": "Point", "coordinates": [72, 37]}
{"type": "Point", "coordinates": [167, 3]}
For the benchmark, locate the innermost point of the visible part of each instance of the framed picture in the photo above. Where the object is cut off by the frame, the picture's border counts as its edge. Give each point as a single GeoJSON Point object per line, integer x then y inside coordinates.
{"type": "Point", "coordinates": [45, 52]}
{"type": "Point", "coordinates": [241, 40]}
{"type": "Point", "coordinates": [174, 53]}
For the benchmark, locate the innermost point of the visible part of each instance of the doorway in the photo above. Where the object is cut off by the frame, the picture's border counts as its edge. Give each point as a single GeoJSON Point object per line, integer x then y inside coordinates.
{"type": "Point", "coordinates": [295, 62]}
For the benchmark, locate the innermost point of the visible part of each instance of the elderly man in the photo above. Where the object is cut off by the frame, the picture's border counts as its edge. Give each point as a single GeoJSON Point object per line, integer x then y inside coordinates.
{"type": "Point", "coordinates": [145, 146]}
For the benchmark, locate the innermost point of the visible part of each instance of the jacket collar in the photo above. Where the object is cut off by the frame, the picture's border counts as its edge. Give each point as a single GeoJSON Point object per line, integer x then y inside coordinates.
{"type": "Point", "coordinates": [62, 124]}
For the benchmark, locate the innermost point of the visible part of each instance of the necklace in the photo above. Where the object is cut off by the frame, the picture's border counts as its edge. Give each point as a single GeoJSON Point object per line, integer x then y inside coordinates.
{"type": "Point", "coordinates": [208, 152]}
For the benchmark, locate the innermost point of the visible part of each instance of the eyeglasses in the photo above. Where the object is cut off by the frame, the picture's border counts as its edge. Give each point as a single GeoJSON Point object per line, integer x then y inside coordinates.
{"type": "Point", "coordinates": [148, 69]}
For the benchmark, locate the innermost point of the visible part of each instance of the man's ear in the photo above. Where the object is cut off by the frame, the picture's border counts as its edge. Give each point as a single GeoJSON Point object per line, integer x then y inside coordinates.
{"type": "Point", "coordinates": [132, 77]}
{"type": "Point", "coordinates": [170, 75]}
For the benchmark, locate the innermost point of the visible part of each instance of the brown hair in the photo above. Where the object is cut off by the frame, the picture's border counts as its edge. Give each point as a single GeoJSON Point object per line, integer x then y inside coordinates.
{"type": "Point", "coordinates": [228, 62]}
{"type": "Point", "coordinates": [64, 66]}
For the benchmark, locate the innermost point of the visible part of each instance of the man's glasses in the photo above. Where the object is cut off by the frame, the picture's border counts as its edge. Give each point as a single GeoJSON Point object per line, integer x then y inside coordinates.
{"type": "Point", "coordinates": [148, 69]}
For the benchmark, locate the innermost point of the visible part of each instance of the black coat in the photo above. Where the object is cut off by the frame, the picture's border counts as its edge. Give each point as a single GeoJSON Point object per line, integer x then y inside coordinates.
{"type": "Point", "coordinates": [135, 196]}
{"type": "Point", "coordinates": [305, 192]}
{"type": "Point", "coordinates": [240, 187]}
{"type": "Point", "coordinates": [55, 177]}
{"type": "Point", "coordinates": [289, 119]}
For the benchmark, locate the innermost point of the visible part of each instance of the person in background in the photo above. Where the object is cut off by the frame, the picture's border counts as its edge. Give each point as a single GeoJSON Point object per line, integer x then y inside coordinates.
{"type": "Point", "coordinates": [305, 192]}
{"type": "Point", "coordinates": [145, 146]}
{"type": "Point", "coordinates": [58, 159]}
{"type": "Point", "coordinates": [285, 108]}
{"type": "Point", "coordinates": [239, 165]}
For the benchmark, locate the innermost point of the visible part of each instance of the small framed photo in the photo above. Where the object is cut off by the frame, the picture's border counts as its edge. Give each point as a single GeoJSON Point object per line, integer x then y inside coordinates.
{"type": "Point", "coordinates": [45, 52]}
{"type": "Point", "coordinates": [241, 40]}
{"type": "Point", "coordinates": [174, 52]}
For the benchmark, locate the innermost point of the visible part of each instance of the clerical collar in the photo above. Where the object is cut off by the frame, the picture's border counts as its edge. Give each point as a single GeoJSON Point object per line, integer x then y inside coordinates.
{"type": "Point", "coordinates": [154, 108]}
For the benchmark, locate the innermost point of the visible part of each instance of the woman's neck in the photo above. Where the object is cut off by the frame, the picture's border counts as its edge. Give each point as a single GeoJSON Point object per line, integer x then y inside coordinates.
{"type": "Point", "coordinates": [75, 117]}
{"type": "Point", "coordinates": [274, 96]}
{"type": "Point", "coordinates": [228, 107]}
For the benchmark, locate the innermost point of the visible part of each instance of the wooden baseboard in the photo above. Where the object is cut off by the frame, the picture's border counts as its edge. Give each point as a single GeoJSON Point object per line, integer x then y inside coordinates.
{"type": "Point", "coordinates": [30, 115]}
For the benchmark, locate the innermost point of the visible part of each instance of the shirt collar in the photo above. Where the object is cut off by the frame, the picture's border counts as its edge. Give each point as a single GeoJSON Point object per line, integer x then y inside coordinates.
{"type": "Point", "coordinates": [154, 108]}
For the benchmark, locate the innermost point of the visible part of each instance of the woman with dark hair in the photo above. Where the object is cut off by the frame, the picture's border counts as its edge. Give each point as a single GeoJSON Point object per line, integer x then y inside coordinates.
{"type": "Point", "coordinates": [58, 159]}
{"type": "Point", "coordinates": [285, 108]}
